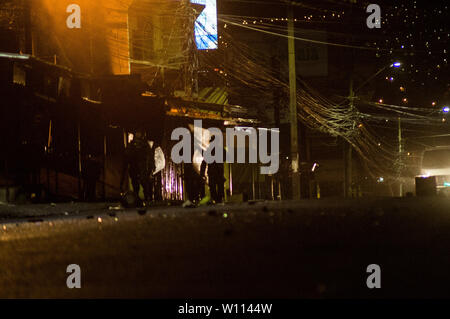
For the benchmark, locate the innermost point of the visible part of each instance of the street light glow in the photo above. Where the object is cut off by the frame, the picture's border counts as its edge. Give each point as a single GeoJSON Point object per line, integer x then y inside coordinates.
{"type": "Point", "coordinates": [446, 109]}
{"type": "Point", "coordinates": [396, 64]}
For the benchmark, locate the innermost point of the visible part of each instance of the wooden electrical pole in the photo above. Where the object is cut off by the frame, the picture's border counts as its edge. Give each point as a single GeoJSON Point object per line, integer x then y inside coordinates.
{"type": "Point", "coordinates": [400, 162]}
{"type": "Point", "coordinates": [295, 162]}
{"type": "Point", "coordinates": [348, 150]}
{"type": "Point", "coordinates": [191, 66]}
{"type": "Point", "coordinates": [28, 45]}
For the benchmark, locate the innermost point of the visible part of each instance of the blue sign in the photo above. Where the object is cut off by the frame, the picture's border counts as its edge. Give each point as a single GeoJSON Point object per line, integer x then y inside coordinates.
{"type": "Point", "coordinates": [206, 25]}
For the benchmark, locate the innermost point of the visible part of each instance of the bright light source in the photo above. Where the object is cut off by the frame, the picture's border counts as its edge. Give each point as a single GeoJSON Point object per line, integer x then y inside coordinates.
{"type": "Point", "coordinates": [446, 109]}
{"type": "Point", "coordinates": [14, 55]}
{"type": "Point", "coordinates": [396, 64]}
{"type": "Point", "coordinates": [206, 25]}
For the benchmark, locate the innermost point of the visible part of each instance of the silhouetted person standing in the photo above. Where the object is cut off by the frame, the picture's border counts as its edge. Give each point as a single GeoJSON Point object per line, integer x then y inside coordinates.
{"type": "Point", "coordinates": [216, 179]}
{"type": "Point", "coordinates": [194, 184]}
{"type": "Point", "coordinates": [140, 159]}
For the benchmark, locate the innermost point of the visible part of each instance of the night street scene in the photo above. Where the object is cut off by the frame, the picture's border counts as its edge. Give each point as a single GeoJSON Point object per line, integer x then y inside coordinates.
{"type": "Point", "coordinates": [224, 149]}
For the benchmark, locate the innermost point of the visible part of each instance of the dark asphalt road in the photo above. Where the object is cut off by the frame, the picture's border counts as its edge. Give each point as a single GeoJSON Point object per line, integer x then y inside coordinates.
{"type": "Point", "coordinates": [307, 249]}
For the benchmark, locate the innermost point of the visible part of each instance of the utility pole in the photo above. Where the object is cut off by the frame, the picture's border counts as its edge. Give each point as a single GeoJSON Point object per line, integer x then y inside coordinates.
{"type": "Point", "coordinates": [348, 151]}
{"type": "Point", "coordinates": [276, 194]}
{"type": "Point", "coordinates": [91, 68]}
{"type": "Point", "coordinates": [400, 151]}
{"type": "Point", "coordinates": [28, 45]}
{"type": "Point", "coordinates": [293, 106]}
{"type": "Point", "coordinates": [191, 66]}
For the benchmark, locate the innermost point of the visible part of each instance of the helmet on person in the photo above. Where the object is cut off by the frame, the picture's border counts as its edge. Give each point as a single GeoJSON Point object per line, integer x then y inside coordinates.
{"type": "Point", "coordinates": [140, 133]}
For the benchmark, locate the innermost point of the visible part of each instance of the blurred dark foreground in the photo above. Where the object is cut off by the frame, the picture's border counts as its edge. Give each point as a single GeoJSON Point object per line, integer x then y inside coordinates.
{"type": "Point", "coordinates": [305, 249]}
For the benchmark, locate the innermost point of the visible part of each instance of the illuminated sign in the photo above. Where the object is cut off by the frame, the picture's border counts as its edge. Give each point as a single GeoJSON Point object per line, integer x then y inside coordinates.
{"type": "Point", "coordinates": [206, 25]}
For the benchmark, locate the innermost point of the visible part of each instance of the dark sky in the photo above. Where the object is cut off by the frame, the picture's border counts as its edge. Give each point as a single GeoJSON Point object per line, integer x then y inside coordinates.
{"type": "Point", "coordinates": [413, 32]}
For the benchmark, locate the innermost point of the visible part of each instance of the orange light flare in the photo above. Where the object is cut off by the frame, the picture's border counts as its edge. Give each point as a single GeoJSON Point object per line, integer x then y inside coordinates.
{"type": "Point", "coordinates": [101, 44]}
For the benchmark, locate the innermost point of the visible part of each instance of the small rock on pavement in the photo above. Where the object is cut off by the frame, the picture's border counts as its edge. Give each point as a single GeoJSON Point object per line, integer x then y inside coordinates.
{"type": "Point", "coordinates": [142, 211]}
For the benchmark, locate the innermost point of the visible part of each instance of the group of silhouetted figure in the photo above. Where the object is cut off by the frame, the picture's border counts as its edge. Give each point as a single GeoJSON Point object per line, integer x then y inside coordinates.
{"type": "Point", "coordinates": [140, 164]}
